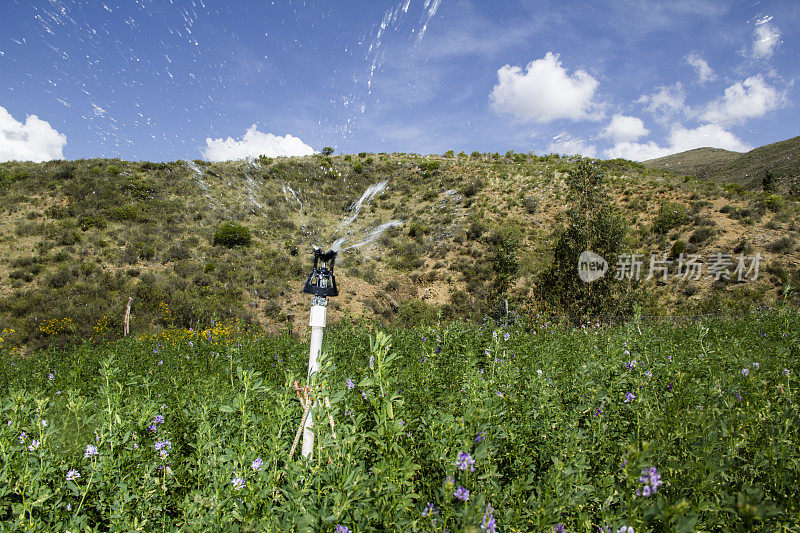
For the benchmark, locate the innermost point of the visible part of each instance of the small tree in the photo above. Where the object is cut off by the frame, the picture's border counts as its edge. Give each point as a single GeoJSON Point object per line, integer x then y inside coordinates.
{"type": "Point", "coordinates": [768, 181]}
{"type": "Point", "coordinates": [594, 225]}
{"type": "Point", "coordinates": [327, 151]}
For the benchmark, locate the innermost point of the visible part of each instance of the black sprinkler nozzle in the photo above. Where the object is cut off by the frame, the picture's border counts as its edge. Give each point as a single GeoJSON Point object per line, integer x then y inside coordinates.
{"type": "Point", "coordinates": [321, 281]}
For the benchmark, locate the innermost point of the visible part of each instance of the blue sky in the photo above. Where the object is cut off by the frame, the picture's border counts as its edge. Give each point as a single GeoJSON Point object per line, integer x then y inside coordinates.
{"type": "Point", "coordinates": [162, 80]}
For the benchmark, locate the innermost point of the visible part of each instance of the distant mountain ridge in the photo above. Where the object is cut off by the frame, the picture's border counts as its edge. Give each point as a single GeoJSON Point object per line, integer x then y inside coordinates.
{"type": "Point", "coordinates": [724, 166]}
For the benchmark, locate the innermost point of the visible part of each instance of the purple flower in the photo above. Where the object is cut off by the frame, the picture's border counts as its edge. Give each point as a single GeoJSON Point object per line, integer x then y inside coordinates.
{"type": "Point", "coordinates": [349, 383]}
{"type": "Point", "coordinates": [506, 336]}
{"type": "Point", "coordinates": [158, 419]}
{"type": "Point", "coordinates": [430, 510]}
{"type": "Point", "coordinates": [461, 494]}
{"type": "Point", "coordinates": [786, 372]}
{"type": "Point", "coordinates": [51, 376]}
{"type": "Point", "coordinates": [648, 374]}
{"type": "Point", "coordinates": [341, 529]}
{"type": "Point", "coordinates": [72, 475]}
{"type": "Point", "coordinates": [480, 436]}
{"type": "Point", "coordinates": [465, 461]}
{"type": "Point", "coordinates": [598, 411]}
{"type": "Point", "coordinates": [629, 397]}
{"type": "Point", "coordinates": [488, 523]}
{"type": "Point", "coordinates": [238, 483]}
{"type": "Point", "coordinates": [22, 437]}
{"type": "Point", "coordinates": [651, 481]}
{"type": "Point", "coordinates": [756, 365]}
{"type": "Point", "coordinates": [163, 447]}
{"type": "Point", "coordinates": [626, 529]}
{"type": "Point", "coordinates": [90, 451]}
{"type": "Point", "coordinates": [559, 528]}
{"type": "Point", "coordinates": [438, 349]}
{"type": "Point", "coordinates": [256, 465]}
{"type": "Point", "coordinates": [34, 445]}
{"type": "Point", "coordinates": [745, 372]}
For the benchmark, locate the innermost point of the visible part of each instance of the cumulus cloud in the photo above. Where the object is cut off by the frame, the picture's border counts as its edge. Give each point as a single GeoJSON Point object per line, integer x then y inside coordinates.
{"type": "Point", "coordinates": [666, 104]}
{"type": "Point", "coordinates": [751, 98]}
{"type": "Point", "coordinates": [624, 129]}
{"type": "Point", "coordinates": [704, 72]}
{"type": "Point", "coordinates": [680, 139]}
{"type": "Point", "coordinates": [253, 144]}
{"type": "Point", "coordinates": [767, 37]}
{"type": "Point", "coordinates": [545, 92]}
{"type": "Point", "coordinates": [35, 140]}
{"type": "Point", "coordinates": [564, 143]}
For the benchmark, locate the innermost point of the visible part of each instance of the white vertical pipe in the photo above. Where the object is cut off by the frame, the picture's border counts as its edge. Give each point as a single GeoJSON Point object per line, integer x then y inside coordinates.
{"type": "Point", "coordinates": [317, 323]}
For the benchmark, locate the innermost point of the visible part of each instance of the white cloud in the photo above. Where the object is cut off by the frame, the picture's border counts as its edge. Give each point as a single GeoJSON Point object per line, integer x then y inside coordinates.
{"type": "Point", "coordinates": [680, 140]}
{"type": "Point", "coordinates": [624, 129]}
{"type": "Point", "coordinates": [767, 37]}
{"type": "Point", "coordinates": [704, 72]}
{"type": "Point", "coordinates": [564, 143]}
{"type": "Point", "coordinates": [667, 103]}
{"type": "Point", "coordinates": [711, 135]}
{"type": "Point", "coordinates": [545, 92]}
{"type": "Point", "coordinates": [636, 151]}
{"type": "Point", "coordinates": [748, 99]}
{"type": "Point", "coordinates": [35, 140]}
{"type": "Point", "coordinates": [253, 144]}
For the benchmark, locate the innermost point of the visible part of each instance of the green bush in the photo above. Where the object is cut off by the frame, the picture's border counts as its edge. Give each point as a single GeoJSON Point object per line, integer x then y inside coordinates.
{"type": "Point", "coordinates": [678, 248]}
{"type": "Point", "coordinates": [531, 204]}
{"type": "Point", "coordinates": [231, 234]}
{"type": "Point", "coordinates": [702, 234]}
{"type": "Point", "coordinates": [127, 212]}
{"type": "Point", "coordinates": [144, 249]}
{"type": "Point", "coordinates": [794, 187]}
{"type": "Point", "coordinates": [417, 230]}
{"type": "Point", "coordinates": [774, 202]}
{"type": "Point", "coordinates": [783, 245]}
{"type": "Point", "coordinates": [472, 187]}
{"type": "Point", "coordinates": [670, 216]}
{"type": "Point", "coordinates": [89, 222]}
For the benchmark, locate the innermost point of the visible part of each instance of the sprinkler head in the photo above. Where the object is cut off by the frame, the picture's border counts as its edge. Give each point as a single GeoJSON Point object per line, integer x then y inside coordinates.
{"type": "Point", "coordinates": [321, 281]}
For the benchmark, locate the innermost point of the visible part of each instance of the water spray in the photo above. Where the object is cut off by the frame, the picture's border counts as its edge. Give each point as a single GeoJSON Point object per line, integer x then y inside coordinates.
{"type": "Point", "coordinates": [321, 283]}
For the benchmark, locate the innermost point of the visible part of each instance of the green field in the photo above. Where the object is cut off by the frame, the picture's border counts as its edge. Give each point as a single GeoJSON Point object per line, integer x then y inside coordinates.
{"type": "Point", "coordinates": [545, 427]}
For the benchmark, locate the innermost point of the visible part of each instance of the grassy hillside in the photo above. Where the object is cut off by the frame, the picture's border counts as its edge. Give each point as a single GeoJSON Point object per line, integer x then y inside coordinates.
{"type": "Point", "coordinates": [79, 237]}
{"type": "Point", "coordinates": [722, 166]}
{"type": "Point", "coordinates": [693, 162]}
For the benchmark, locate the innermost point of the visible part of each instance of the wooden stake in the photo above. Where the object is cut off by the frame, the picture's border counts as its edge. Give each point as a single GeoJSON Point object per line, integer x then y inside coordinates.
{"type": "Point", "coordinates": [128, 316]}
